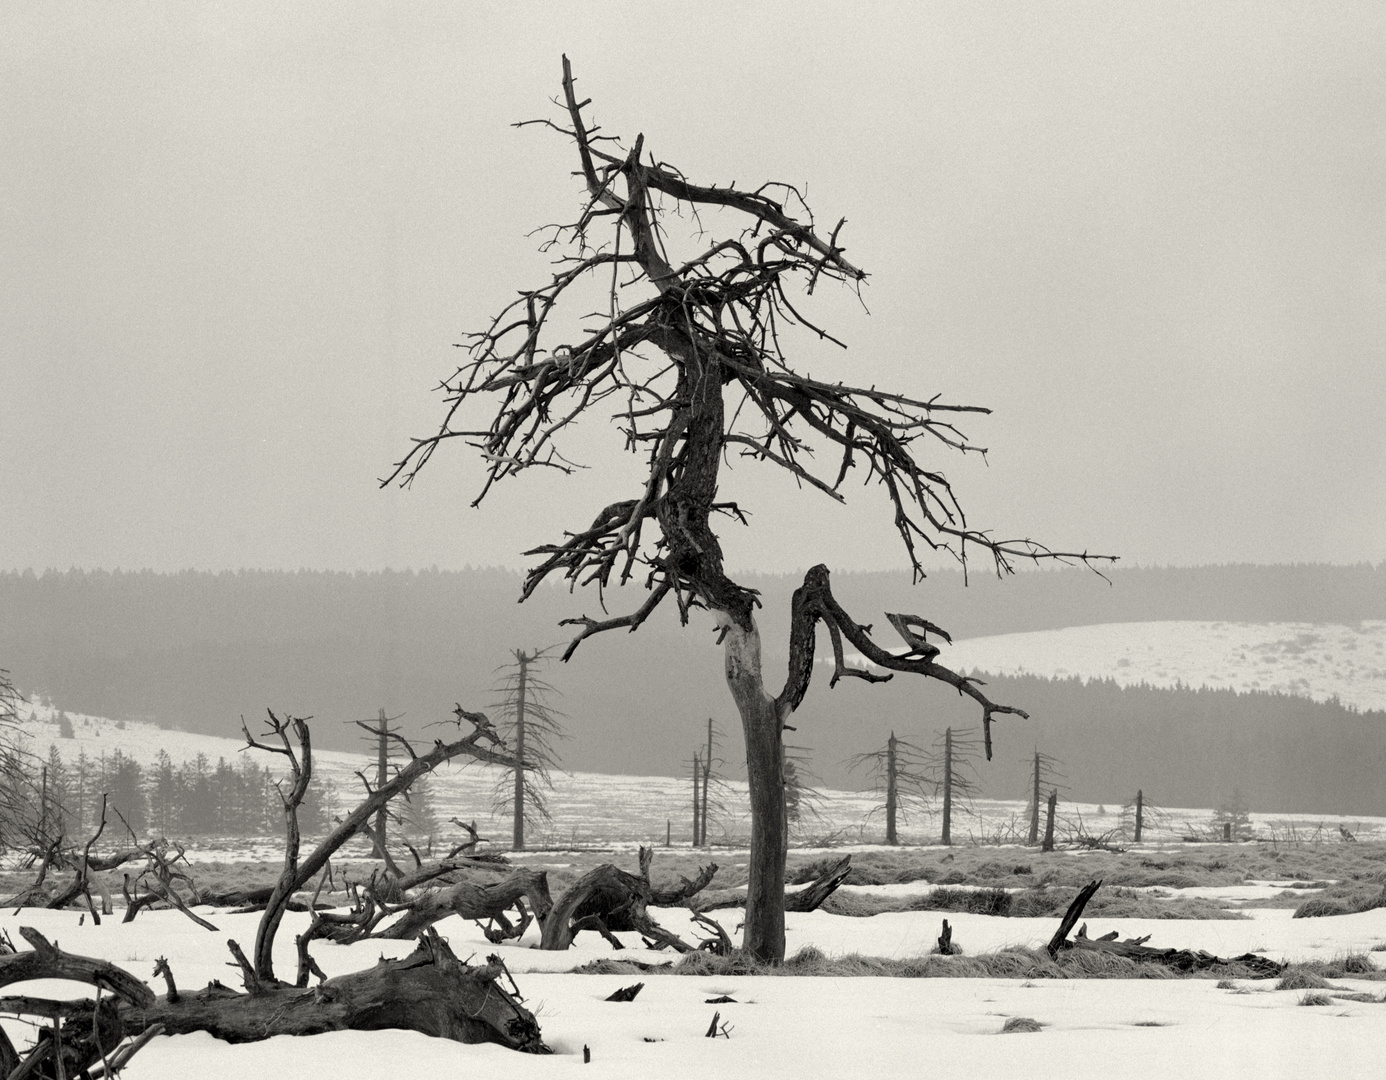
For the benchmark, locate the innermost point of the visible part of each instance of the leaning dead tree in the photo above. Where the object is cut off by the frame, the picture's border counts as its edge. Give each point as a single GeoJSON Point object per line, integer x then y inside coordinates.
{"type": "Point", "coordinates": [430, 991]}
{"type": "Point", "coordinates": [687, 358]}
{"type": "Point", "coordinates": [1184, 960]}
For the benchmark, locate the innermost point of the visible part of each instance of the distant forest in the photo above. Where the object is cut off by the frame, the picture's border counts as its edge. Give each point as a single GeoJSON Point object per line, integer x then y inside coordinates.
{"type": "Point", "coordinates": [200, 650]}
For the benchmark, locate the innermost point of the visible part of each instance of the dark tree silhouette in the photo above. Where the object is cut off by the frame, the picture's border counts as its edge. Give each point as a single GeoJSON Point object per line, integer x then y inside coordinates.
{"type": "Point", "coordinates": [686, 356]}
{"type": "Point", "coordinates": [951, 766]}
{"type": "Point", "coordinates": [898, 773]}
{"type": "Point", "coordinates": [1044, 776]}
{"type": "Point", "coordinates": [527, 720]}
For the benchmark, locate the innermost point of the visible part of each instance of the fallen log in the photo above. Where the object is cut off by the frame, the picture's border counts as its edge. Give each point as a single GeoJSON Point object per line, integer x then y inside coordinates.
{"type": "Point", "coordinates": [1183, 960]}
{"type": "Point", "coordinates": [430, 991]}
{"type": "Point", "coordinates": [479, 900]}
{"type": "Point", "coordinates": [809, 898]}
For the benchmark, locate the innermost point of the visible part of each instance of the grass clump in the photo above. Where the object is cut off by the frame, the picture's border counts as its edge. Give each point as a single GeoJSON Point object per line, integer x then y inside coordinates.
{"type": "Point", "coordinates": [1340, 900]}
{"type": "Point", "coordinates": [1299, 979]}
{"type": "Point", "coordinates": [1312, 998]}
{"type": "Point", "coordinates": [1020, 1023]}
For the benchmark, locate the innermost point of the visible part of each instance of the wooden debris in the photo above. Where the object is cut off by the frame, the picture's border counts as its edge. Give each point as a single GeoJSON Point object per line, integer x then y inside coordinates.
{"type": "Point", "coordinates": [1184, 960]}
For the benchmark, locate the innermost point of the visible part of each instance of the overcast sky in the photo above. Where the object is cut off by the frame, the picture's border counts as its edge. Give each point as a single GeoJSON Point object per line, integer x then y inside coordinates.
{"type": "Point", "coordinates": [239, 242]}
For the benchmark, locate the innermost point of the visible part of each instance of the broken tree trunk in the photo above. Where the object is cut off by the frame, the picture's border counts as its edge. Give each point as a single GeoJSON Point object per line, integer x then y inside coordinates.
{"type": "Point", "coordinates": [1185, 960]}
{"type": "Point", "coordinates": [607, 899]}
{"type": "Point", "coordinates": [430, 991]}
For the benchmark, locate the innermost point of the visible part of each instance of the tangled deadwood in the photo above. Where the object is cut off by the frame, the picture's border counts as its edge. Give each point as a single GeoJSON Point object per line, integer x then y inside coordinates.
{"type": "Point", "coordinates": [430, 991]}
{"type": "Point", "coordinates": [607, 900]}
{"type": "Point", "coordinates": [1183, 960]}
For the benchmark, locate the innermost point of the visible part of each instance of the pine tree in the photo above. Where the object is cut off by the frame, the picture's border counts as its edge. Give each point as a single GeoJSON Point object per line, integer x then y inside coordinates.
{"type": "Point", "coordinates": [163, 796]}
{"type": "Point", "coordinates": [57, 795]}
{"type": "Point", "coordinates": [125, 789]}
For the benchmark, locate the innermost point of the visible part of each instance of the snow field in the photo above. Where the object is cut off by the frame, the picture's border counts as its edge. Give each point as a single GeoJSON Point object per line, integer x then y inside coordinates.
{"type": "Point", "coordinates": [795, 1026]}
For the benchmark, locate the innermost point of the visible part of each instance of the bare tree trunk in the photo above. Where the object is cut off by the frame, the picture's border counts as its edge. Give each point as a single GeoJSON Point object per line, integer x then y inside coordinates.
{"type": "Point", "coordinates": [1049, 823]}
{"type": "Point", "coordinates": [948, 787]}
{"type": "Point", "coordinates": [518, 840]}
{"type": "Point", "coordinates": [1140, 814]}
{"type": "Point", "coordinates": [763, 727]}
{"type": "Point", "coordinates": [707, 779]}
{"type": "Point", "coordinates": [697, 802]}
{"type": "Point", "coordinates": [381, 763]}
{"type": "Point", "coordinates": [1034, 805]}
{"type": "Point", "coordinates": [891, 796]}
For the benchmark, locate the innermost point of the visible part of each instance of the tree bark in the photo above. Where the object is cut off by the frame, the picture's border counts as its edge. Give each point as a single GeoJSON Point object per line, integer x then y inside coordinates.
{"type": "Point", "coordinates": [1035, 804]}
{"type": "Point", "coordinates": [472, 900]}
{"type": "Point", "coordinates": [763, 726]}
{"type": "Point", "coordinates": [891, 796]}
{"type": "Point", "coordinates": [1048, 844]}
{"type": "Point", "coordinates": [518, 832]}
{"type": "Point", "coordinates": [429, 991]}
{"type": "Point", "coordinates": [948, 787]}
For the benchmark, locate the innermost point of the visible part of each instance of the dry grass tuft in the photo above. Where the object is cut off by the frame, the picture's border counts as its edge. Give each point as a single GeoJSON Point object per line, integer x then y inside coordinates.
{"type": "Point", "coordinates": [1020, 1023]}
{"type": "Point", "coordinates": [1316, 999]}
{"type": "Point", "coordinates": [1298, 979]}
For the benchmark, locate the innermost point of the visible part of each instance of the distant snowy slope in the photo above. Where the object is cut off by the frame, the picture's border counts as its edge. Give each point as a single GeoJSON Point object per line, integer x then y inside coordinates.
{"type": "Point", "coordinates": [1318, 661]}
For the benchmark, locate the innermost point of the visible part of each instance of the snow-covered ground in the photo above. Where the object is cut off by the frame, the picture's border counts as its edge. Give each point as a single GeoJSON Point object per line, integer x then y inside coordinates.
{"type": "Point", "coordinates": [799, 1027]}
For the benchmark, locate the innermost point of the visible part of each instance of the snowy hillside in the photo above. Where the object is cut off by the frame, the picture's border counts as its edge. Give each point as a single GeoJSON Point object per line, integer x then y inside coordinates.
{"type": "Point", "coordinates": [1315, 660]}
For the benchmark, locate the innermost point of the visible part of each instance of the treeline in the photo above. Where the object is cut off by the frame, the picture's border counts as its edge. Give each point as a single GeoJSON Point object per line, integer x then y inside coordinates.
{"type": "Point", "coordinates": [199, 650]}
{"type": "Point", "coordinates": [192, 798]}
{"type": "Point", "coordinates": [1181, 746]}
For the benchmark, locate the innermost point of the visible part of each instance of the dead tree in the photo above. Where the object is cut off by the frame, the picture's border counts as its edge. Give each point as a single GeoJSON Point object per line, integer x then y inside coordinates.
{"type": "Point", "coordinates": [1048, 844]}
{"type": "Point", "coordinates": [298, 873]}
{"type": "Point", "coordinates": [898, 773]}
{"type": "Point", "coordinates": [430, 991]}
{"type": "Point", "coordinates": [1184, 960]}
{"type": "Point", "coordinates": [705, 780]}
{"type": "Point", "coordinates": [527, 720]}
{"type": "Point", "coordinates": [688, 359]}
{"type": "Point", "coordinates": [1044, 773]}
{"type": "Point", "coordinates": [951, 767]}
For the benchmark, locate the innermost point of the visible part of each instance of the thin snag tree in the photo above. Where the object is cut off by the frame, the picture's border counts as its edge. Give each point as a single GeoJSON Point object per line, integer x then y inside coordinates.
{"type": "Point", "coordinates": [526, 720]}
{"type": "Point", "coordinates": [687, 356]}
{"type": "Point", "coordinates": [1044, 775]}
{"type": "Point", "coordinates": [951, 766]}
{"type": "Point", "coordinates": [899, 774]}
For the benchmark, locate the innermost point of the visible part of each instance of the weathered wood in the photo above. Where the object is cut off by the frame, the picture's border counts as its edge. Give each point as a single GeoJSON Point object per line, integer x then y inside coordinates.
{"type": "Point", "coordinates": [608, 900]}
{"type": "Point", "coordinates": [1071, 917]}
{"type": "Point", "coordinates": [429, 991]}
{"type": "Point", "coordinates": [472, 900]}
{"type": "Point", "coordinates": [1184, 960]}
{"type": "Point", "coordinates": [809, 898]}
